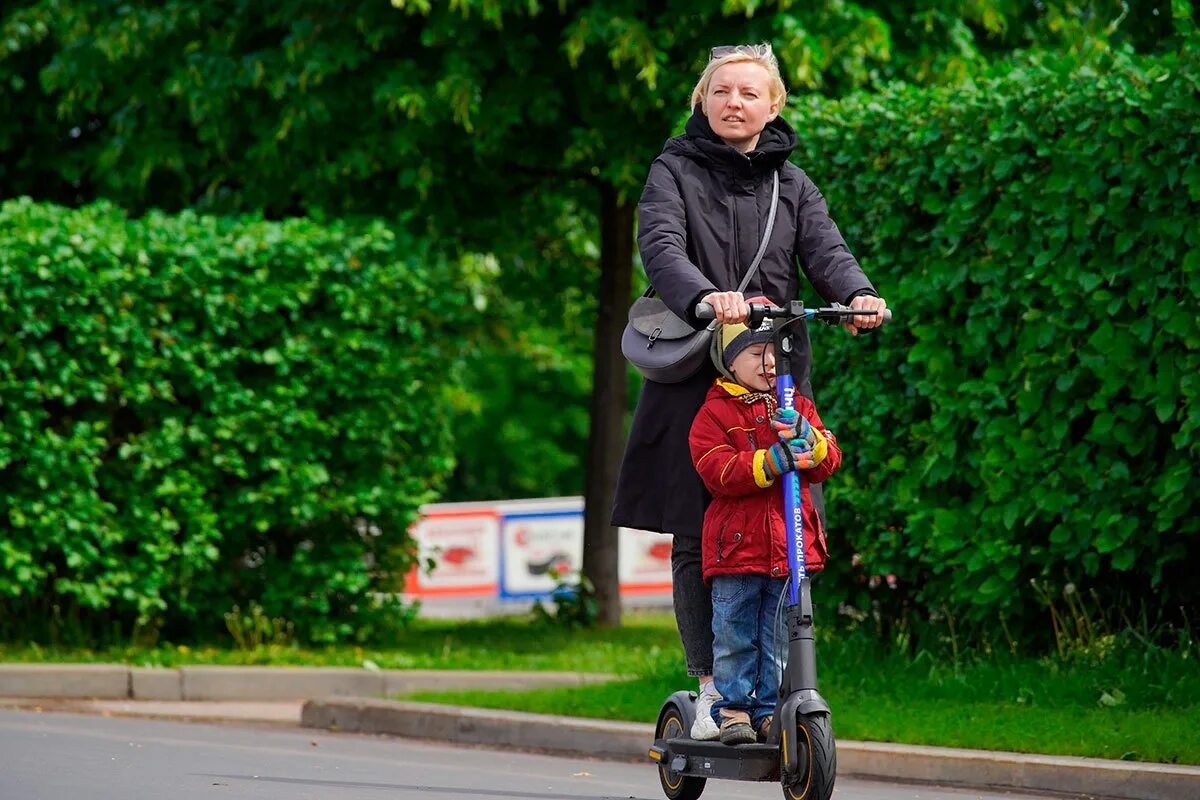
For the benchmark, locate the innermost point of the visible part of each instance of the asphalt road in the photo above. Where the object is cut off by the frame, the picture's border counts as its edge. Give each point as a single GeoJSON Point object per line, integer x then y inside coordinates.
{"type": "Point", "coordinates": [58, 756]}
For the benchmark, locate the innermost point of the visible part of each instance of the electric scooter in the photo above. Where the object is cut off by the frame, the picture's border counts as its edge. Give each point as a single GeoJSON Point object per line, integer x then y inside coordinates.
{"type": "Point", "coordinates": [799, 751]}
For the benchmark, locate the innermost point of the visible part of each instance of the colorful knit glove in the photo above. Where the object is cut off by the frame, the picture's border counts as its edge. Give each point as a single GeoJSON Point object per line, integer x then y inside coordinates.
{"type": "Point", "coordinates": [790, 425]}
{"type": "Point", "coordinates": [780, 459]}
{"type": "Point", "coordinates": [808, 457]}
{"type": "Point", "coordinates": [784, 422]}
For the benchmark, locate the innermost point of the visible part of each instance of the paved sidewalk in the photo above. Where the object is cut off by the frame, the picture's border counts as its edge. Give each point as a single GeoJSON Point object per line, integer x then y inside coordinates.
{"type": "Point", "coordinates": [119, 681]}
{"type": "Point", "coordinates": [279, 712]}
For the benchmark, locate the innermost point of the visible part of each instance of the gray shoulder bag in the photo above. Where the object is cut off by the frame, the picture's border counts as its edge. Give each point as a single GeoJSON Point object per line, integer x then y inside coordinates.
{"type": "Point", "coordinates": [665, 348]}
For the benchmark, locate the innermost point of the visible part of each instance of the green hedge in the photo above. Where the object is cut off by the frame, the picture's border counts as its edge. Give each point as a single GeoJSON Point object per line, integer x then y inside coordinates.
{"type": "Point", "coordinates": [199, 412]}
{"type": "Point", "coordinates": [1032, 414]}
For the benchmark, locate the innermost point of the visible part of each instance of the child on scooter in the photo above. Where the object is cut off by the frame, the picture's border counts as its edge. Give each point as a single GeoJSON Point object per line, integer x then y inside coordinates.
{"type": "Point", "coordinates": [741, 443]}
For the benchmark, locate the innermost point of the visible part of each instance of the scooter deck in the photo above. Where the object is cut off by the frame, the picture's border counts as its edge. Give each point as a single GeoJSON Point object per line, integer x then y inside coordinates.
{"type": "Point", "coordinates": [743, 762]}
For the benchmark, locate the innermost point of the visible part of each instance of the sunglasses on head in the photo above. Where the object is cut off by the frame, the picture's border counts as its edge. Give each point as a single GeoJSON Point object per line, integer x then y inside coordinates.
{"type": "Point", "coordinates": [730, 49]}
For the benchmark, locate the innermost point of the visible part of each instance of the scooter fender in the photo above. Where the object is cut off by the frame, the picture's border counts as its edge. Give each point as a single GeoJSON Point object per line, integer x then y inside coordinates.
{"type": "Point", "coordinates": [685, 701]}
{"type": "Point", "coordinates": [798, 704]}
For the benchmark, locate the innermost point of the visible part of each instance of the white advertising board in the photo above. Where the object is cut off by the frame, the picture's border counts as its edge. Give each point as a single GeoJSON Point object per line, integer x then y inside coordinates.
{"type": "Point", "coordinates": [644, 561]}
{"type": "Point", "coordinates": [533, 546]}
{"type": "Point", "coordinates": [465, 548]}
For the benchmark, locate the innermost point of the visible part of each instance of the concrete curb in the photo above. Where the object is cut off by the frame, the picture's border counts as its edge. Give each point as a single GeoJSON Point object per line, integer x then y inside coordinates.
{"type": "Point", "coordinates": [980, 769]}
{"type": "Point", "coordinates": [120, 682]}
{"type": "Point", "coordinates": [64, 680]}
{"type": "Point", "coordinates": [600, 738]}
{"type": "Point", "coordinates": [1090, 777]}
{"type": "Point", "coordinates": [280, 713]}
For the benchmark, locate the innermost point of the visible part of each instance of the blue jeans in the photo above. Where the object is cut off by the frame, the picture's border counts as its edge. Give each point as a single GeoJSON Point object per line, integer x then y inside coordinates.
{"type": "Point", "coordinates": [745, 665]}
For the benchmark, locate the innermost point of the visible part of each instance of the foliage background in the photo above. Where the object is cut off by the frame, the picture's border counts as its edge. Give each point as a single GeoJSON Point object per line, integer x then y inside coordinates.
{"type": "Point", "coordinates": [991, 163]}
{"type": "Point", "coordinates": [205, 411]}
{"type": "Point", "coordinates": [1033, 417]}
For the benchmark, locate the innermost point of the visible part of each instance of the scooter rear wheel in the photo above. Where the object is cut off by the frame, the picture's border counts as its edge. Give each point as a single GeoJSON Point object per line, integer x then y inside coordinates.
{"type": "Point", "coordinates": [818, 760]}
{"type": "Point", "coordinates": [674, 785]}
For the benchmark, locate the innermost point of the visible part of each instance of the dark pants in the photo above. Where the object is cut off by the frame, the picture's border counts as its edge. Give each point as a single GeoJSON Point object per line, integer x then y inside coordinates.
{"type": "Point", "coordinates": [693, 605]}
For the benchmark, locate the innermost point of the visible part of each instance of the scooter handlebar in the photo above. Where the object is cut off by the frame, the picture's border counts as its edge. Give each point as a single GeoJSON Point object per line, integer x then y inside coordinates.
{"type": "Point", "coordinates": [705, 311]}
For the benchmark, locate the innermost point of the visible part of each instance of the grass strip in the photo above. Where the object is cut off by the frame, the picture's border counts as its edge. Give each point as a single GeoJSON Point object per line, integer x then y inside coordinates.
{"type": "Point", "coordinates": [1155, 734]}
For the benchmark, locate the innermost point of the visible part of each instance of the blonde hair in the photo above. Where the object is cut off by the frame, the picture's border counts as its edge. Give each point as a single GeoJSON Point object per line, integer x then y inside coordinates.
{"type": "Point", "coordinates": [760, 54]}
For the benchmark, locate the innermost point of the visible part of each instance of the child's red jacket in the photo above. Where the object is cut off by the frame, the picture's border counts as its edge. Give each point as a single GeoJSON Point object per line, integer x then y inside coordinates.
{"type": "Point", "coordinates": [743, 527]}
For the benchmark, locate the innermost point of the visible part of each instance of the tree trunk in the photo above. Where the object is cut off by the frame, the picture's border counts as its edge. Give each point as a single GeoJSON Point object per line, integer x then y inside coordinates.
{"type": "Point", "coordinates": [606, 434]}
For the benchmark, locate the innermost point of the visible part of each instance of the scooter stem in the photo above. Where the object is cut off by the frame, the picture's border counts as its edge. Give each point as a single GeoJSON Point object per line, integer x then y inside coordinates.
{"type": "Point", "coordinates": [801, 672]}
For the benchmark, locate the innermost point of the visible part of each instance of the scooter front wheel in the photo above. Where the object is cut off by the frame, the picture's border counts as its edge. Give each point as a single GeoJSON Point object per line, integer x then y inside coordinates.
{"type": "Point", "coordinates": [813, 778]}
{"type": "Point", "coordinates": [674, 785]}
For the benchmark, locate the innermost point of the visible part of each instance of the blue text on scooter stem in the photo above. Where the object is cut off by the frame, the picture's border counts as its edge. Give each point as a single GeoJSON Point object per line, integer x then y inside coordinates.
{"type": "Point", "coordinates": [793, 508]}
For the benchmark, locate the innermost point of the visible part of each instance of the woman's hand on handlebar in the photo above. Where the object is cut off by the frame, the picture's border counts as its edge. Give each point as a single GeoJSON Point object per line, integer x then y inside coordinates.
{"type": "Point", "coordinates": [728, 307]}
{"type": "Point", "coordinates": [866, 302]}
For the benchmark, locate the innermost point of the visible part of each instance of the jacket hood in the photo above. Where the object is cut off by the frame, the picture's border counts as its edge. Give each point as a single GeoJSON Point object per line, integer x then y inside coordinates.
{"type": "Point", "coordinates": [722, 388]}
{"type": "Point", "coordinates": [700, 143]}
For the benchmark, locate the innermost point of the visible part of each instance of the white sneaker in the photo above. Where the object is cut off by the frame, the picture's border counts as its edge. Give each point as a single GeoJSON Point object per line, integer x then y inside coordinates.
{"type": "Point", "coordinates": [705, 729]}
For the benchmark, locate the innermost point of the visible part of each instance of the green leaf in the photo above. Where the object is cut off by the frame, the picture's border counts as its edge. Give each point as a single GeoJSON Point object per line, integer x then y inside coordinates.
{"type": "Point", "coordinates": [1124, 559]}
{"type": "Point", "coordinates": [1110, 537]}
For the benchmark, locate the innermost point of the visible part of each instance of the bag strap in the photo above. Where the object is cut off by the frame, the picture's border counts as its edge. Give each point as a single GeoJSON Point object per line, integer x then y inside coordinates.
{"type": "Point", "coordinates": [762, 246]}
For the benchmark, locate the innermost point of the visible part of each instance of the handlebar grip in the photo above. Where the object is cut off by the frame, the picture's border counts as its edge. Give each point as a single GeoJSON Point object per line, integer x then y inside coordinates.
{"type": "Point", "coordinates": [705, 311]}
{"type": "Point", "coordinates": [887, 315]}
